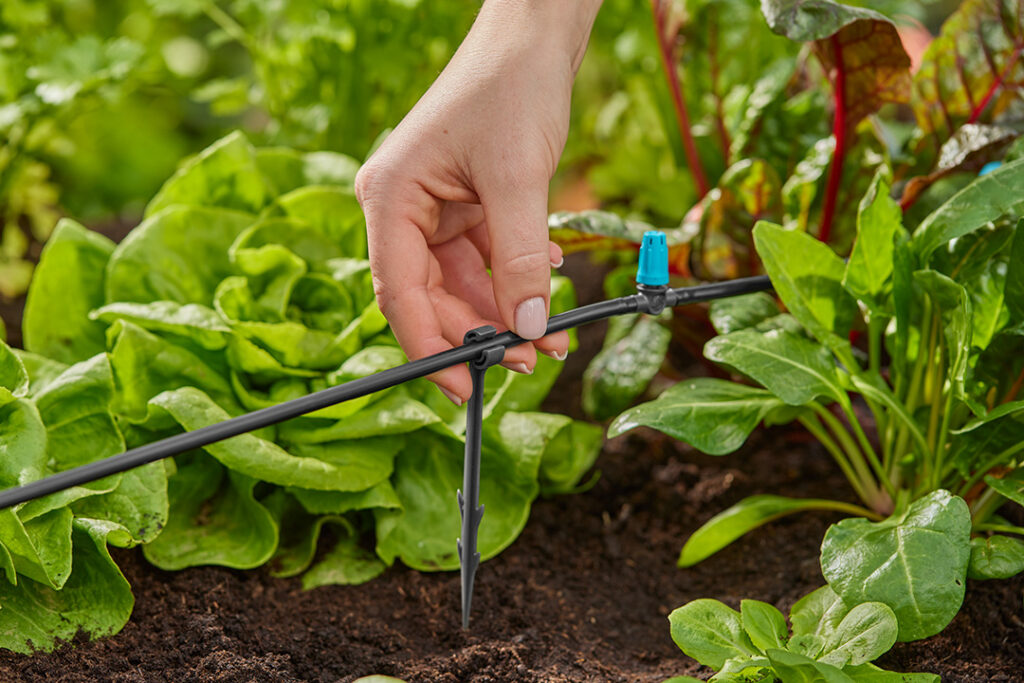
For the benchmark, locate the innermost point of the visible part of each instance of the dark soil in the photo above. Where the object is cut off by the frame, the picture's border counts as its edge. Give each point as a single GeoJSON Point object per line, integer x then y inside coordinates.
{"type": "Point", "coordinates": [582, 596]}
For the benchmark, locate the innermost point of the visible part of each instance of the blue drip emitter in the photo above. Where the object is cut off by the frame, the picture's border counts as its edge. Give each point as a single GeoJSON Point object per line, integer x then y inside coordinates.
{"type": "Point", "coordinates": [652, 271]}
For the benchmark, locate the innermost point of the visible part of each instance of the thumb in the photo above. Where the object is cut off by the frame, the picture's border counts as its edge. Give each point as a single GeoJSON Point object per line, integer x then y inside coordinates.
{"type": "Point", "coordinates": [517, 228]}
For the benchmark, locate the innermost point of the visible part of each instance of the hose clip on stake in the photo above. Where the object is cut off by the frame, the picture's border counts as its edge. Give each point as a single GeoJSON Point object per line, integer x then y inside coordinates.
{"type": "Point", "coordinates": [469, 497]}
{"type": "Point", "coordinates": [481, 348]}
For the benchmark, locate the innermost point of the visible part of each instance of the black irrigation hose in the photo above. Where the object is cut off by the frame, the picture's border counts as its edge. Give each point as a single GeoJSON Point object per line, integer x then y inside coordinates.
{"type": "Point", "coordinates": [649, 300]}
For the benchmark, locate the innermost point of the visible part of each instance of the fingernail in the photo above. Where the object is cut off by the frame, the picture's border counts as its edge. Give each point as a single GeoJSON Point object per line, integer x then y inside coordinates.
{"type": "Point", "coordinates": [531, 318]}
{"type": "Point", "coordinates": [519, 367]}
{"type": "Point", "coordinates": [556, 355]}
{"type": "Point", "coordinates": [451, 397]}
{"type": "Point", "coordinates": [559, 263]}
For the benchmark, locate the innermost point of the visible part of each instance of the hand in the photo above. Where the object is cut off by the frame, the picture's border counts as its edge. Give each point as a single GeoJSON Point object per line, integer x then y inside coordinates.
{"type": "Point", "coordinates": [462, 185]}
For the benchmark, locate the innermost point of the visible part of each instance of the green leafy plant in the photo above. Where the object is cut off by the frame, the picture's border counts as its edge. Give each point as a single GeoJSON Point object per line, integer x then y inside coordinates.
{"type": "Point", "coordinates": [830, 641]}
{"type": "Point", "coordinates": [247, 284]}
{"type": "Point", "coordinates": [944, 314]}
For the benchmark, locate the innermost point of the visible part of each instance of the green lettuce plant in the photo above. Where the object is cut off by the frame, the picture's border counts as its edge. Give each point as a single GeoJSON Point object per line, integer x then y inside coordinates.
{"type": "Point", "coordinates": [245, 285]}
{"type": "Point", "coordinates": [940, 377]}
{"type": "Point", "coordinates": [830, 641]}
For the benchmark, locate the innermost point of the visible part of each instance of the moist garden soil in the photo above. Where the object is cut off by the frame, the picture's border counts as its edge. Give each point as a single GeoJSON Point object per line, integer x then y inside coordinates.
{"type": "Point", "coordinates": [581, 596]}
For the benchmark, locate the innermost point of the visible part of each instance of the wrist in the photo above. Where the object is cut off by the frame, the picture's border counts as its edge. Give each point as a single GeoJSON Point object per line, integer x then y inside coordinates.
{"type": "Point", "coordinates": [561, 25]}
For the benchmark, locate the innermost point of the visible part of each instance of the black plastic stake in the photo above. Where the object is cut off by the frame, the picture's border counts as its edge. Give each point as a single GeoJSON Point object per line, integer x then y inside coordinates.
{"type": "Point", "coordinates": [469, 497]}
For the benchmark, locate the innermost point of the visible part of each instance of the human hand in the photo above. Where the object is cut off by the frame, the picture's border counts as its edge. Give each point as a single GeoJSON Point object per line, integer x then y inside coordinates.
{"type": "Point", "coordinates": [462, 185]}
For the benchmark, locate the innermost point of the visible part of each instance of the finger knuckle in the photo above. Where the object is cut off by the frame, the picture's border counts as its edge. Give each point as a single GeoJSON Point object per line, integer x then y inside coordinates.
{"type": "Point", "coordinates": [527, 263]}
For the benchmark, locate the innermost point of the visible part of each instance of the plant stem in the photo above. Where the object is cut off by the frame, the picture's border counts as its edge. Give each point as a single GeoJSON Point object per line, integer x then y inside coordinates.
{"type": "Point", "coordinates": [987, 503]}
{"type": "Point", "coordinates": [869, 451]}
{"type": "Point", "coordinates": [996, 82]}
{"type": "Point", "coordinates": [659, 9]}
{"type": "Point", "coordinates": [914, 386]}
{"type": "Point", "coordinates": [1005, 528]}
{"type": "Point", "coordinates": [835, 172]}
{"type": "Point", "coordinates": [819, 432]}
{"type": "Point", "coordinates": [999, 458]}
{"type": "Point", "coordinates": [723, 134]}
{"type": "Point", "coordinates": [231, 27]}
{"type": "Point", "coordinates": [855, 457]}
{"type": "Point", "coordinates": [1014, 390]}
{"type": "Point", "coordinates": [940, 448]}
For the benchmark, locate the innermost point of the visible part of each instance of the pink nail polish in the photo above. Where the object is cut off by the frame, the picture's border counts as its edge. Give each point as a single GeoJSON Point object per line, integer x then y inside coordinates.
{"type": "Point", "coordinates": [531, 318]}
{"type": "Point", "coordinates": [520, 367]}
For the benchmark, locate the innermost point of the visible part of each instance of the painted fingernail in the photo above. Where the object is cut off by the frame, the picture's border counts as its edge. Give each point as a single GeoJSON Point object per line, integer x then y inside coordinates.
{"type": "Point", "coordinates": [556, 355]}
{"type": "Point", "coordinates": [520, 367]}
{"type": "Point", "coordinates": [451, 397]}
{"type": "Point", "coordinates": [559, 263]}
{"type": "Point", "coordinates": [531, 321]}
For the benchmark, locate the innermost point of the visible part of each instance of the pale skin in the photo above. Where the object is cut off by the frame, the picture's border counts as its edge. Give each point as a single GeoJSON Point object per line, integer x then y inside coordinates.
{"type": "Point", "coordinates": [461, 185]}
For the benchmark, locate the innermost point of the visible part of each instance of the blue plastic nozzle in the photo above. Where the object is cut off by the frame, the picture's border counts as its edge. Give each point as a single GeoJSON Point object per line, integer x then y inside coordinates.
{"type": "Point", "coordinates": [653, 267]}
{"type": "Point", "coordinates": [989, 167]}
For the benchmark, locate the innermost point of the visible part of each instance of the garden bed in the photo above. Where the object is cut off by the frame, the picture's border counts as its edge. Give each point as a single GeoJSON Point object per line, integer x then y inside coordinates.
{"type": "Point", "coordinates": [581, 596]}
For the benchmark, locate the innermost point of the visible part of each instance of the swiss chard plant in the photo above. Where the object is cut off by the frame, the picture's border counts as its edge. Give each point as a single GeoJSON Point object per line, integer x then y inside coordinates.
{"type": "Point", "coordinates": [791, 128]}
{"type": "Point", "coordinates": [940, 377]}
{"type": "Point", "coordinates": [245, 285]}
{"type": "Point", "coordinates": [830, 641]}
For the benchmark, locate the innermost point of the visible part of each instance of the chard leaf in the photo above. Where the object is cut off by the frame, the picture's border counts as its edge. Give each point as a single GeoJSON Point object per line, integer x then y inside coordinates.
{"type": "Point", "coordinates": [712, 415]}
{"type": "Point", "coordinates": [66, 285]}
{"type": "Point", "coordinates": [748, 191]}
{"type": "Point", "coordinates": [797, 668]}
{"type": "Point", "coordinates": [179, 254]}
{"type": "Point", "coordinates": [818, 613]}
{"type": "Point", "coordinates": [214, 519]}
{"type": "Point", "coordinates": [807, 276]}
{"type": "Point", "coordinates": [954, 306]}
{"type": "Point", "coordinates": [867, 632]}
{"type": "Point", "coordinates": [868, 273]}
{"type": "Point", "coordinates": [860, 43]}
{"type": "Point", "coordinates": [1011, 486]}
{"type": "Point", "coordinates": [620, 373]}
{"type": "Point", "coordinates": [225, 175]}
{"type": "Point", "coordinates": [794, 368]}
{"type": "Point", "coordinates": [973, 58]}
{"type": "Point", "coordinates": [95, 599]}
{"type": "Point", "coordinates": [996, 557]}
{"type": "Point", "coordinates": [740, 312]}
{"type": "Point", "coordinates": [741, 518]}
{"type": "Point", "coordinates": [1014, 287]}
{"type": "Point", "coordinates": [764, 624]}
{"type": "Point", "coordinates": [986, 199]}
{"type": "Point", "coordinates": [710, 632]}
{"type": "Point", "coordinates": [999, 431]}
{"type": "Point", "coordinates": [808, 20]}
{"type": "Point", "coordinates": [914, 562]}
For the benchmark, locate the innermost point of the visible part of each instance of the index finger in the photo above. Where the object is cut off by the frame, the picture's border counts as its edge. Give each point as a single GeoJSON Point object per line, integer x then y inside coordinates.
{"type": "Point", "coordinates": [400, 263]}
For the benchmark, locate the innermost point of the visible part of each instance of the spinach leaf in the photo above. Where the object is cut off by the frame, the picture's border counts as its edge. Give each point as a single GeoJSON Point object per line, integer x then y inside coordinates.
{"type": "Point", "coordinates": [914, 562]}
